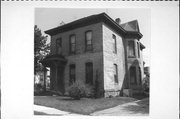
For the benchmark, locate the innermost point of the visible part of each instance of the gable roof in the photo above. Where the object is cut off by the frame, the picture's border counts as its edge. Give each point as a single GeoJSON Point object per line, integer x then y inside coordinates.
{"type": "Point", "coordinates": [131, 26]}
{"type": "Point", "coordinates": [103, 17]}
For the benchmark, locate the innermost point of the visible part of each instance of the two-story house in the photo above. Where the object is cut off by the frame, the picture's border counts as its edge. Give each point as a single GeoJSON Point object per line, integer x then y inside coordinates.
{"type": "Point", "coordinates": [96, 46]}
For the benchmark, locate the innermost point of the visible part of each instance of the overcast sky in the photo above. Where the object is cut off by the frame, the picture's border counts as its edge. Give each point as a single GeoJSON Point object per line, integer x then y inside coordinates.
{"type": "Point", "coordinates": [47, 18]}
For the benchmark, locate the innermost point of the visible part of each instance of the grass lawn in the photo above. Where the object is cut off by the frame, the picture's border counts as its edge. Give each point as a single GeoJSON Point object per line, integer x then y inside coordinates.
{"type": "Point", "coordinates": [84, 106]}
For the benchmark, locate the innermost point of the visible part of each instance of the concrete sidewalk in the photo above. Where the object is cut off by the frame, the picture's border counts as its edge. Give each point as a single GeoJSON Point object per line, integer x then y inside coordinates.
{"type": "Point", "coordinates": [52, 111]}
{"type": "Point", "coordinates": [136, 108]}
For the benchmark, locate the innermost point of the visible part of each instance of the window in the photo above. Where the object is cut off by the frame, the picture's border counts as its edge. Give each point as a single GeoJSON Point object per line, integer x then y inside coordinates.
{"type": "Point", "coordinates": [59, 46]}
{"type": "Point", "coordinates": [89, 73]}
{"type": "Point", "coordinates": [138, 49]}
{"type": "Point", "coordinates": [140, 80]}
{"type": "Point", "coordinates": [72, 44]}
{"type": "Point", "coordinates": [115, 73]}
{"type": "Point", "coordinates": [131, 51]}
{"type": "Point", "coordinates": [88, 38]}
{"type": "Point", "coordinates": [133, 75]}
{"type": "Point", "coordinates": [72, 74]}
{"type": "Point", "coordinates": [114, 44]}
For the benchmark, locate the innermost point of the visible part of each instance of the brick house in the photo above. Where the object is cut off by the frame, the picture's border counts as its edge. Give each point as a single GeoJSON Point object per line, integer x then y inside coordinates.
{"type": "Point", "coordinates": [96, 49]}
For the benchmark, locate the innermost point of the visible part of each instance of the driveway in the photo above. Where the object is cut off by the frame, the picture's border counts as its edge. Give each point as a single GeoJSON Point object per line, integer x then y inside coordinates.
{"type": "Point", "coordinates": [136, 108]}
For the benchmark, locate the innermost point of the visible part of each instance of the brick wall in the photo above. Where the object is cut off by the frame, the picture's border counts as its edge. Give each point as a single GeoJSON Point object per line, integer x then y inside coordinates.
{"type": "Point", "coordinates": [102, 57]}
{"type": "Point", "coordinates": [80, 39]}
{"type": "Point", "coordinates": [79, 61]}
{"type": "Point", "coordinates": [81, 57]}
{"type": "Point", "coordinates": [109, 59]}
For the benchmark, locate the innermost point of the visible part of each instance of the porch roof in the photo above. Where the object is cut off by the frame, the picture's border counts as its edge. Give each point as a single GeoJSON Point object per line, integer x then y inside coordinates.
{"type": "Point", "coordinates": [54, 60]}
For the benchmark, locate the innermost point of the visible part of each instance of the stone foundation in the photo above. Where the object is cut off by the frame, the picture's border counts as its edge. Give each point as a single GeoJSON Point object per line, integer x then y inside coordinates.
{"type": "Point", "coordinates": [111, 93]}
{"type": "Point", "coordinates": [127, 92]}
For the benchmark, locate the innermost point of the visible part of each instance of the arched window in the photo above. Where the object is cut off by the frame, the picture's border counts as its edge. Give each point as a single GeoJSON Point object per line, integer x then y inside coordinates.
{"type": "Point", "coordinates": [133, 79]}
{"type": "Point", "coordinates": [114, 44]}
{"type": "Point", "coordinates": [138, 49]}
{"type": "Point", "coordinates": [72, 73]}
{"type": "Point", "coordinates": [72, 44]}
{"type": "Point", "coordinates": [89, 73]}
{"type": "Point", "coordinates": [140, 79]}
{"type": "Point", "coordinates": [58, 46]}
{"type": "Point", "coordinates": [131, 49]}
{"type": "Point", "coordinates": [88, 40]}
{"type": "Point", "coordinates": [115, 73]}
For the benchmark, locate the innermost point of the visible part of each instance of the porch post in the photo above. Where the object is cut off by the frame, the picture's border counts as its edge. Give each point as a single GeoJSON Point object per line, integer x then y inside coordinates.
{"type": "Point", "coordinates": [56, 80]}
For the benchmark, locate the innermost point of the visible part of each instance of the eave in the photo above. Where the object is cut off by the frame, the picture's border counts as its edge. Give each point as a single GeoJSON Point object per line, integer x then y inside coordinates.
{"type": "Point", "coordinates": [133, 34]}
{"type": "Point", "coordinates": [103, 17]}
{"type": "Point", "coordinates": [73, 25]}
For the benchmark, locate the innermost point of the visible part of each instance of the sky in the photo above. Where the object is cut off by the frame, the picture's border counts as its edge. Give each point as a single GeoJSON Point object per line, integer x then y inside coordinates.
{"type": "Point", "coordinates": [47, 18]}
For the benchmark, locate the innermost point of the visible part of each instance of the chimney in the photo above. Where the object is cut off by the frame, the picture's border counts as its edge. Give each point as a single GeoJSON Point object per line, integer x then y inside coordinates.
{"type": "Point", "coordinates": [118, 20]}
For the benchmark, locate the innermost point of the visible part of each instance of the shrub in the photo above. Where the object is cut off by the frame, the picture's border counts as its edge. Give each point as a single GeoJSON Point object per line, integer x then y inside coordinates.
{"type": "Point", "coordinates": [78, 90]}
{"type": "Point", "coordinates": [146, 84]}
{"type": "Point", "coordinates": [38, 87]}
{"type": "Point", "coordinates": [89, 91]}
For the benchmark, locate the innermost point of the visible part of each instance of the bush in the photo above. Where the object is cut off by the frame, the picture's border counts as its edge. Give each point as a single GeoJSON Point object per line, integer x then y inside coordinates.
{"type": "Point", "coordinates": [146, 84]}
{"type": "Point", "coordinates": [89, 91]}
{"type": "Point", "coordinates": [78, 90]}
{"type": "Point", "coordinates": [38, 89]}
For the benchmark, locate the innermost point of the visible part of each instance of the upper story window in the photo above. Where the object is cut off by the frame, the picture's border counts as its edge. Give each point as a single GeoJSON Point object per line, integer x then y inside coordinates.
{"type": "Point", "coordinates": [115, 73]}
{"type": "Point", "coordinates": [89, 73]}
{"type": "Point", "coordinates": [88, 40]}
{"type": "Point", "coordinates": [114, 44]}
{"type": "Point", "coordinates": [72, 74]}
{"type": "Point", "coordinates": [138, 49]}
{"type": "Point", "coordinates": [72, 44]}
{"type": "Point", "coordinates": [131, 49]}
{"type": "Point", "coordinates": [58, 46]}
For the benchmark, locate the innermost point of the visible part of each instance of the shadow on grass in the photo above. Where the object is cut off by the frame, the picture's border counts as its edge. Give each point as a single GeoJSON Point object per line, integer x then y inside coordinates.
{"type": "Point", "coordinates": [39, 113]}
{"type": "Point", "coordinates": [67, 99]}
{"type": "Point", "coordinates": [44, 114]}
